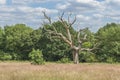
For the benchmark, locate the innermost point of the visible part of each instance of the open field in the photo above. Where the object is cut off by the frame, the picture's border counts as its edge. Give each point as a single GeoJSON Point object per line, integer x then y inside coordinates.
{"type": "Point", "coordinates": [54, 71]}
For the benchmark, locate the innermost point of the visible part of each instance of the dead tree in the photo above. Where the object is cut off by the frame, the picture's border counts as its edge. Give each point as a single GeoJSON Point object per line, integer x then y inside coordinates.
{"type": "Point", "coordinates": [68, 39]}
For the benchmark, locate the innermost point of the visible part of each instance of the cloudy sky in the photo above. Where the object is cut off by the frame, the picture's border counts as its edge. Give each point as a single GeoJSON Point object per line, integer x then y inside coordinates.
{"type": "Point", "coordinates": [90, 13]}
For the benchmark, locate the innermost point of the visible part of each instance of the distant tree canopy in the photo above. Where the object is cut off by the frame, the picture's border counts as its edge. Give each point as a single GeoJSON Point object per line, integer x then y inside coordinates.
{"type": "Point", "coordinates": [109, 39]}
{"type": "Point", "coordinates": [17, 41]}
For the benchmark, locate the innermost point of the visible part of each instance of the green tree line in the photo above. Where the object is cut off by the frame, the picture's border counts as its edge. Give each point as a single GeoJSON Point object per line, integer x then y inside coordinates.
{"type": "Point", "coordinates": [19, 41]}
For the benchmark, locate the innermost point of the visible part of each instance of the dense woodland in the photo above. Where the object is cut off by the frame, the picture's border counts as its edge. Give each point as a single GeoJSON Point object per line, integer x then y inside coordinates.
{"type": "Point", "coordinates": [18, 41]}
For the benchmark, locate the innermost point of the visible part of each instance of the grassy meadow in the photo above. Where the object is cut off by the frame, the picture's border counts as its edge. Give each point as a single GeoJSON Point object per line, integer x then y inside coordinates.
{"type": "Point", "coordinates": [55, 71]}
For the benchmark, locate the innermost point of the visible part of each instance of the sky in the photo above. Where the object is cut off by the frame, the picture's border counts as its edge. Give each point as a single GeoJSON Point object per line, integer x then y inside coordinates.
{"type": "Point", "coordinates": [90, 13]}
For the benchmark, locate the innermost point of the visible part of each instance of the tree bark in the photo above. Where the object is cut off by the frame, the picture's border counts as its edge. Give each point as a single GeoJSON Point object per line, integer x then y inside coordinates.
{"type": "Point", "coordinates": [76, 56]}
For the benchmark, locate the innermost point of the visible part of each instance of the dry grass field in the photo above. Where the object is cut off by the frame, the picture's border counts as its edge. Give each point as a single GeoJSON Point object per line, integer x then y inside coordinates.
{"type": "Point", "coordinates": [54, 71]}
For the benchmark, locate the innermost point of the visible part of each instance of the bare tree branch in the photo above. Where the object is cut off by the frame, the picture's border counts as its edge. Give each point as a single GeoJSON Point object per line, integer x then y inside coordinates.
{"type": "Point", "coordinates": [90, 49]}
{"type": "Point", "coordinates": [67, 24]}
{"type": "Point", "coordinates": [63, 21]}
{"type": "Point", "coordinates": [85, 37]}
{"type": "Point", "coordinates": [69, 18]}
{"type": "Point", "coordinates": [48, 18]}
{"type": "Point", "coordinates": [73, 21]}
{"type": "Point", "coordinates": [69, 39]}
{"type": "Point", "coordinates": [50, 21]}
{"type": "Point", "coordinates": [81, 39]}
{"type": "Point", "coordinates": [86, 49]}
{"type": "Point", "coordinates": [60, 35]}
{"type": "Point", "coordinates": [78, 36]}
{"type": "Point", "coordinates": [67, 27]}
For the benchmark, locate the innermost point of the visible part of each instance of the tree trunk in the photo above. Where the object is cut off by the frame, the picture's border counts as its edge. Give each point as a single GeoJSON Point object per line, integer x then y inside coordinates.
{"type": "Point", "coordinates": [76, 56]}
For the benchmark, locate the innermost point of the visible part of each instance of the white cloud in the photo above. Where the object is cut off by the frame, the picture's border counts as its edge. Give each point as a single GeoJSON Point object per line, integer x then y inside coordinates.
{"type": "Point", "coordinates": [6, 9]}
{"type": "Point", "coordinates": [112, 10]}
{"type": "Point", "coordinates": [48, 11]}
{"type": "Point", "coordinates": [98, 15]}
{"type": "Point", "coordinates": [24, 2]}
{"type": "Point", "coordinates": [2, 1]}
{"type": "Point", "coordinates": [83, 18]}
{"type": "Point", "coordinates": [82, 6]}
{"type": "Point", "coordinates": [23, 14]}
{"type": "Point", "coordinates": [62, 7]}
{"type": "Point", "coordinates": [35, 11]}
{"type": "Point", "coordinates": [112, 4]}
{"type": "Point", "coordinates": [94, 12]}
{"type": "Point", "coordinates": [89, 12]}
{"type": "Point", "coordinates": [88, 1]}
{"type": "Point", "coordinates": [25, 9]}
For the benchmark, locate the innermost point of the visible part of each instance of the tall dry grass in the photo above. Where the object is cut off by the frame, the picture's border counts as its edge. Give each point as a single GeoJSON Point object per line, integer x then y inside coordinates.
{"type": "Point", "coordinates": [53, 71]}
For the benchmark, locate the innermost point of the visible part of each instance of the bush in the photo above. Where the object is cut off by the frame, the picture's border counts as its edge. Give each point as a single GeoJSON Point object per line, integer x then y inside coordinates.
{"type": "Point", "coordinates": [110, 60]}
{"type": "Point", "coordinates": [16, 56]}
{"type": "Point", "coordinates": [87, 57]}
{"type": "Point", "coordinates": [65, 60]}
{"type": "Point", "coordinates": [5, 56]}
{"type": "Point", "coordinates": [36, 57]}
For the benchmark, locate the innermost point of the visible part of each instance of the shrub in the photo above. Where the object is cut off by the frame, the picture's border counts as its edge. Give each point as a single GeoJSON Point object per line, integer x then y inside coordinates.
{"type": "Point", "coordinates": [65, 60]}
{"type": "Point", "coordinates": [110, 60]}
{"type": "Point", "coordinates": [36, 57]}
{"type": "Point", "coordinates": [87, 57]}
{"type": "Point", "coordinates": [5, 56]}
{"type": "Point", "coordinates": [16, 56]}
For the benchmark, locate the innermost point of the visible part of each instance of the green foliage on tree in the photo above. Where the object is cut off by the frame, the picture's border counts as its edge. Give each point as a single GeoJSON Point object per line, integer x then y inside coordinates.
{"type": "Point", "coordinates": [35, 36]}
{"type": "Point", "coordinates": [53, 48]}
{"type": "Point", "coordinates": [1, 38]}
{"type": "Point", "coordinates": [17, 40]}
{"type": "Point", "coordinates": [109, 39]}
{"type": "Point", "coordinates": [87, 57]}
{"type": "Point", "coordinates": [36, 57]}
